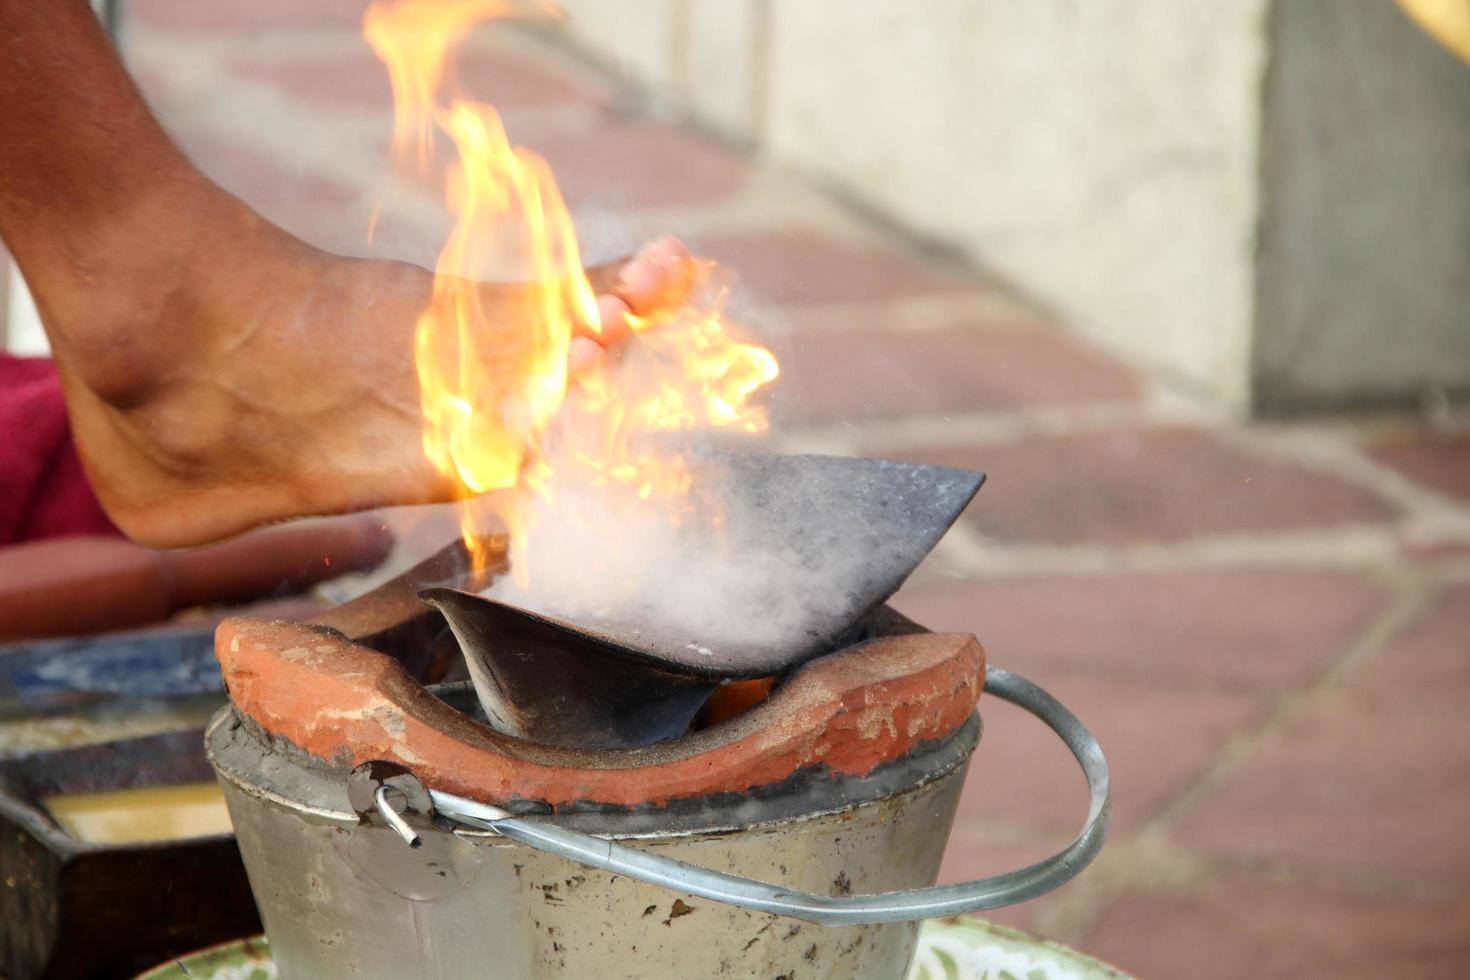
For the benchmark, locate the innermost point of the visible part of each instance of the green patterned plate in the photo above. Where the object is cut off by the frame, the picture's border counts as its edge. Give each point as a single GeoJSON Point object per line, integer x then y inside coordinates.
{"type": "Point", "coordinates": [949, 949]}
{"type": "Point", "coordinates": [973, 949]}
{"type": "Point", "coordinates": [242, 959]}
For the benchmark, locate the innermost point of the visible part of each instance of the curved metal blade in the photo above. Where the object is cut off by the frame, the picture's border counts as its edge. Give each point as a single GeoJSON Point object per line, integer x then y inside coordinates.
{"type": "Point", "coordinates": [546, 681]}
{"type": "Point", "coordinates": [823, 539]}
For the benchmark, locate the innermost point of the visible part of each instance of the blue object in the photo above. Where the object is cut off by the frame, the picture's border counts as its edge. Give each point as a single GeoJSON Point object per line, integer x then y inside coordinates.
{"type": "Point", "coordinates": [47, 675]}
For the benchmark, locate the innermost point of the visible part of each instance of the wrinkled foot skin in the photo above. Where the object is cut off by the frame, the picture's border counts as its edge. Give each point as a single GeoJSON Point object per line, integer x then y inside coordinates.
{"type": "Point", "coordinates": [277, 381]}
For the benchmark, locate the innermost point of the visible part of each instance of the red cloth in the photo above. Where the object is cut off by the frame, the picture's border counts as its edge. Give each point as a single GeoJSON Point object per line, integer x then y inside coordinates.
{"type": "Point", "coordinates": [43, 491]}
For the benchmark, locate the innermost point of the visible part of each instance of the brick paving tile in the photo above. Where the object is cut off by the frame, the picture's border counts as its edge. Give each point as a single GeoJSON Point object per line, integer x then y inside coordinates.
{"type": "Point", "coordinates": [1251, 629]}
{"type": "Point", "coordinates": [1441, 461]}
{"type": "Point", "coordinates": [1156, 738]}
{"type": "Point", "coordinates": [417, 240]}
{"type": "Point", "coordinates": [632, 164]}
{"type": "Point", "coordinates": [357, 80]}
{"type": "Point", "coordinates": [975, 855]}
{"type": "Point", "coordinates": [511, 82]}
{"type": "Point", "coordinates": [1432, 553]}
{"type": "Point", "coordinates": [1128, 487]}
{"type": "Point", "coordinates": [263, 180]}
{"type": "Point", "coordinates": [975, 852]}
{"type": "Point", "coordinates": [1431, 661]}
{"type": "Point", "coordinates": [246, 15]}
{"type": "Point", "coordinates": [619, 165]}
{"type": "Point", "coordinates": [866, 372]}
{"type": "Point", "coordinates": [326, 212]}
{"type": "Point", "coordinates": [1245, 927]}
{"type": "Point", "coordinates": [339, 81]}
{"type": "Point", "coordinates": [344, 231]}
{"type": "Point", "coordinates": [1373, 780]}
{"type": "Point", "coordinates": [798, 267]}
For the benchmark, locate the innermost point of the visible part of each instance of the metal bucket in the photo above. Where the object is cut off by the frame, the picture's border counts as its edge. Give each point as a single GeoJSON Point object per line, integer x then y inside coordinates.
{"type": "Point", "coordinates": [349, 884]}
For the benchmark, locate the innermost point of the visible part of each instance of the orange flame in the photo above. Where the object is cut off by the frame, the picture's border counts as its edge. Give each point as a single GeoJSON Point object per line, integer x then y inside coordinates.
{"type": "Point", "coordinates": [501, 413]}
{"type": "Point", "coordinates": [413, 39]}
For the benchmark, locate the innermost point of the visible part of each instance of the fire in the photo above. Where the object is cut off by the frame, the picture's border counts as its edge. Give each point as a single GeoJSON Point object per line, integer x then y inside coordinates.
{"type": "Point", "coordinates": [502, 415]}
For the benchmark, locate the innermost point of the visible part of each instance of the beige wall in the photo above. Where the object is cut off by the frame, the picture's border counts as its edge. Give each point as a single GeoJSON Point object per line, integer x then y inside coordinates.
{"type": "Point", "coordinates": [1072, 147]}
{"type": "Point", "coordinates": [1104, 155]}
{"type": "Point", "coordinates": [1100, 154]}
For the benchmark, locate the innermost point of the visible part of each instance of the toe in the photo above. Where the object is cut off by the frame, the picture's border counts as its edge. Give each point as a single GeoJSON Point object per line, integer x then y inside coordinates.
{"type": "Point", "coordinates": [639, 283]}
{"type": "Point", "coordinates": [667, 252]}
{"type": "Point", "coordinates": [616, 327]}
{"type": "Point", "coordinates": [657, 278]}
{"type": "Point", "coordinates": [583, 355]}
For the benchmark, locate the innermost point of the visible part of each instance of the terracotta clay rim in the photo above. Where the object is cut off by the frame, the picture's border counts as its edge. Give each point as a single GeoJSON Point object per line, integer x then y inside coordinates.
{"type": "Point", "coordinates": [848, 713]}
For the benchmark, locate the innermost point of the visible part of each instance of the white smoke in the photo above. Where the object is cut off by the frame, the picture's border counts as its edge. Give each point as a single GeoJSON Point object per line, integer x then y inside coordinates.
{"type": "Point", "coordinates": [738, 564]}
{"type": "Point", "coordinates": [598, 555]}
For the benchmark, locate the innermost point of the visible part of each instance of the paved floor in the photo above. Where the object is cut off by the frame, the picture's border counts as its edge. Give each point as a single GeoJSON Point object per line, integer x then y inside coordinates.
{"type": "Point", "coordinates": [1268, 627]}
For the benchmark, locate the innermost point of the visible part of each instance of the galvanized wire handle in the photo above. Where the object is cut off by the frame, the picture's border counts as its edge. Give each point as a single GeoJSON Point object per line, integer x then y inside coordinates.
{"type": "Point", "coordinates": [922, 903]}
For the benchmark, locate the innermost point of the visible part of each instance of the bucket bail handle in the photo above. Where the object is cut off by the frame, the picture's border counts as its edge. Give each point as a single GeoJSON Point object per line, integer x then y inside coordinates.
{"type": "Point", "coordinates": [902, 906]}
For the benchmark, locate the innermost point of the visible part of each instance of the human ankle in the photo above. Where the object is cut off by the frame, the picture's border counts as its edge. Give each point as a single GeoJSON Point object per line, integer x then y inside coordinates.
{"type": "Point", "coordinates": [148, 297]}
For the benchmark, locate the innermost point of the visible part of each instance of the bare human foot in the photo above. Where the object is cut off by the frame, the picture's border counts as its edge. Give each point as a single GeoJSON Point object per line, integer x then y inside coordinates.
{"type": "Point", "coordinates": [219, 373]}
{"type": "Point", "coordinates": [278, 381]}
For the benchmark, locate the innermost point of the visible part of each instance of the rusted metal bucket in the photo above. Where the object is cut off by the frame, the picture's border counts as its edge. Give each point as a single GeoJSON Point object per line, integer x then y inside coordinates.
{"type": "Point", "coordinates": [368, 873]}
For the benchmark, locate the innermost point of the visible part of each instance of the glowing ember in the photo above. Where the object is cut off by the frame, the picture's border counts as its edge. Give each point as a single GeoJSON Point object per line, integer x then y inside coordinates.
{"type": "Point", "coordinates": [502, 416]}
